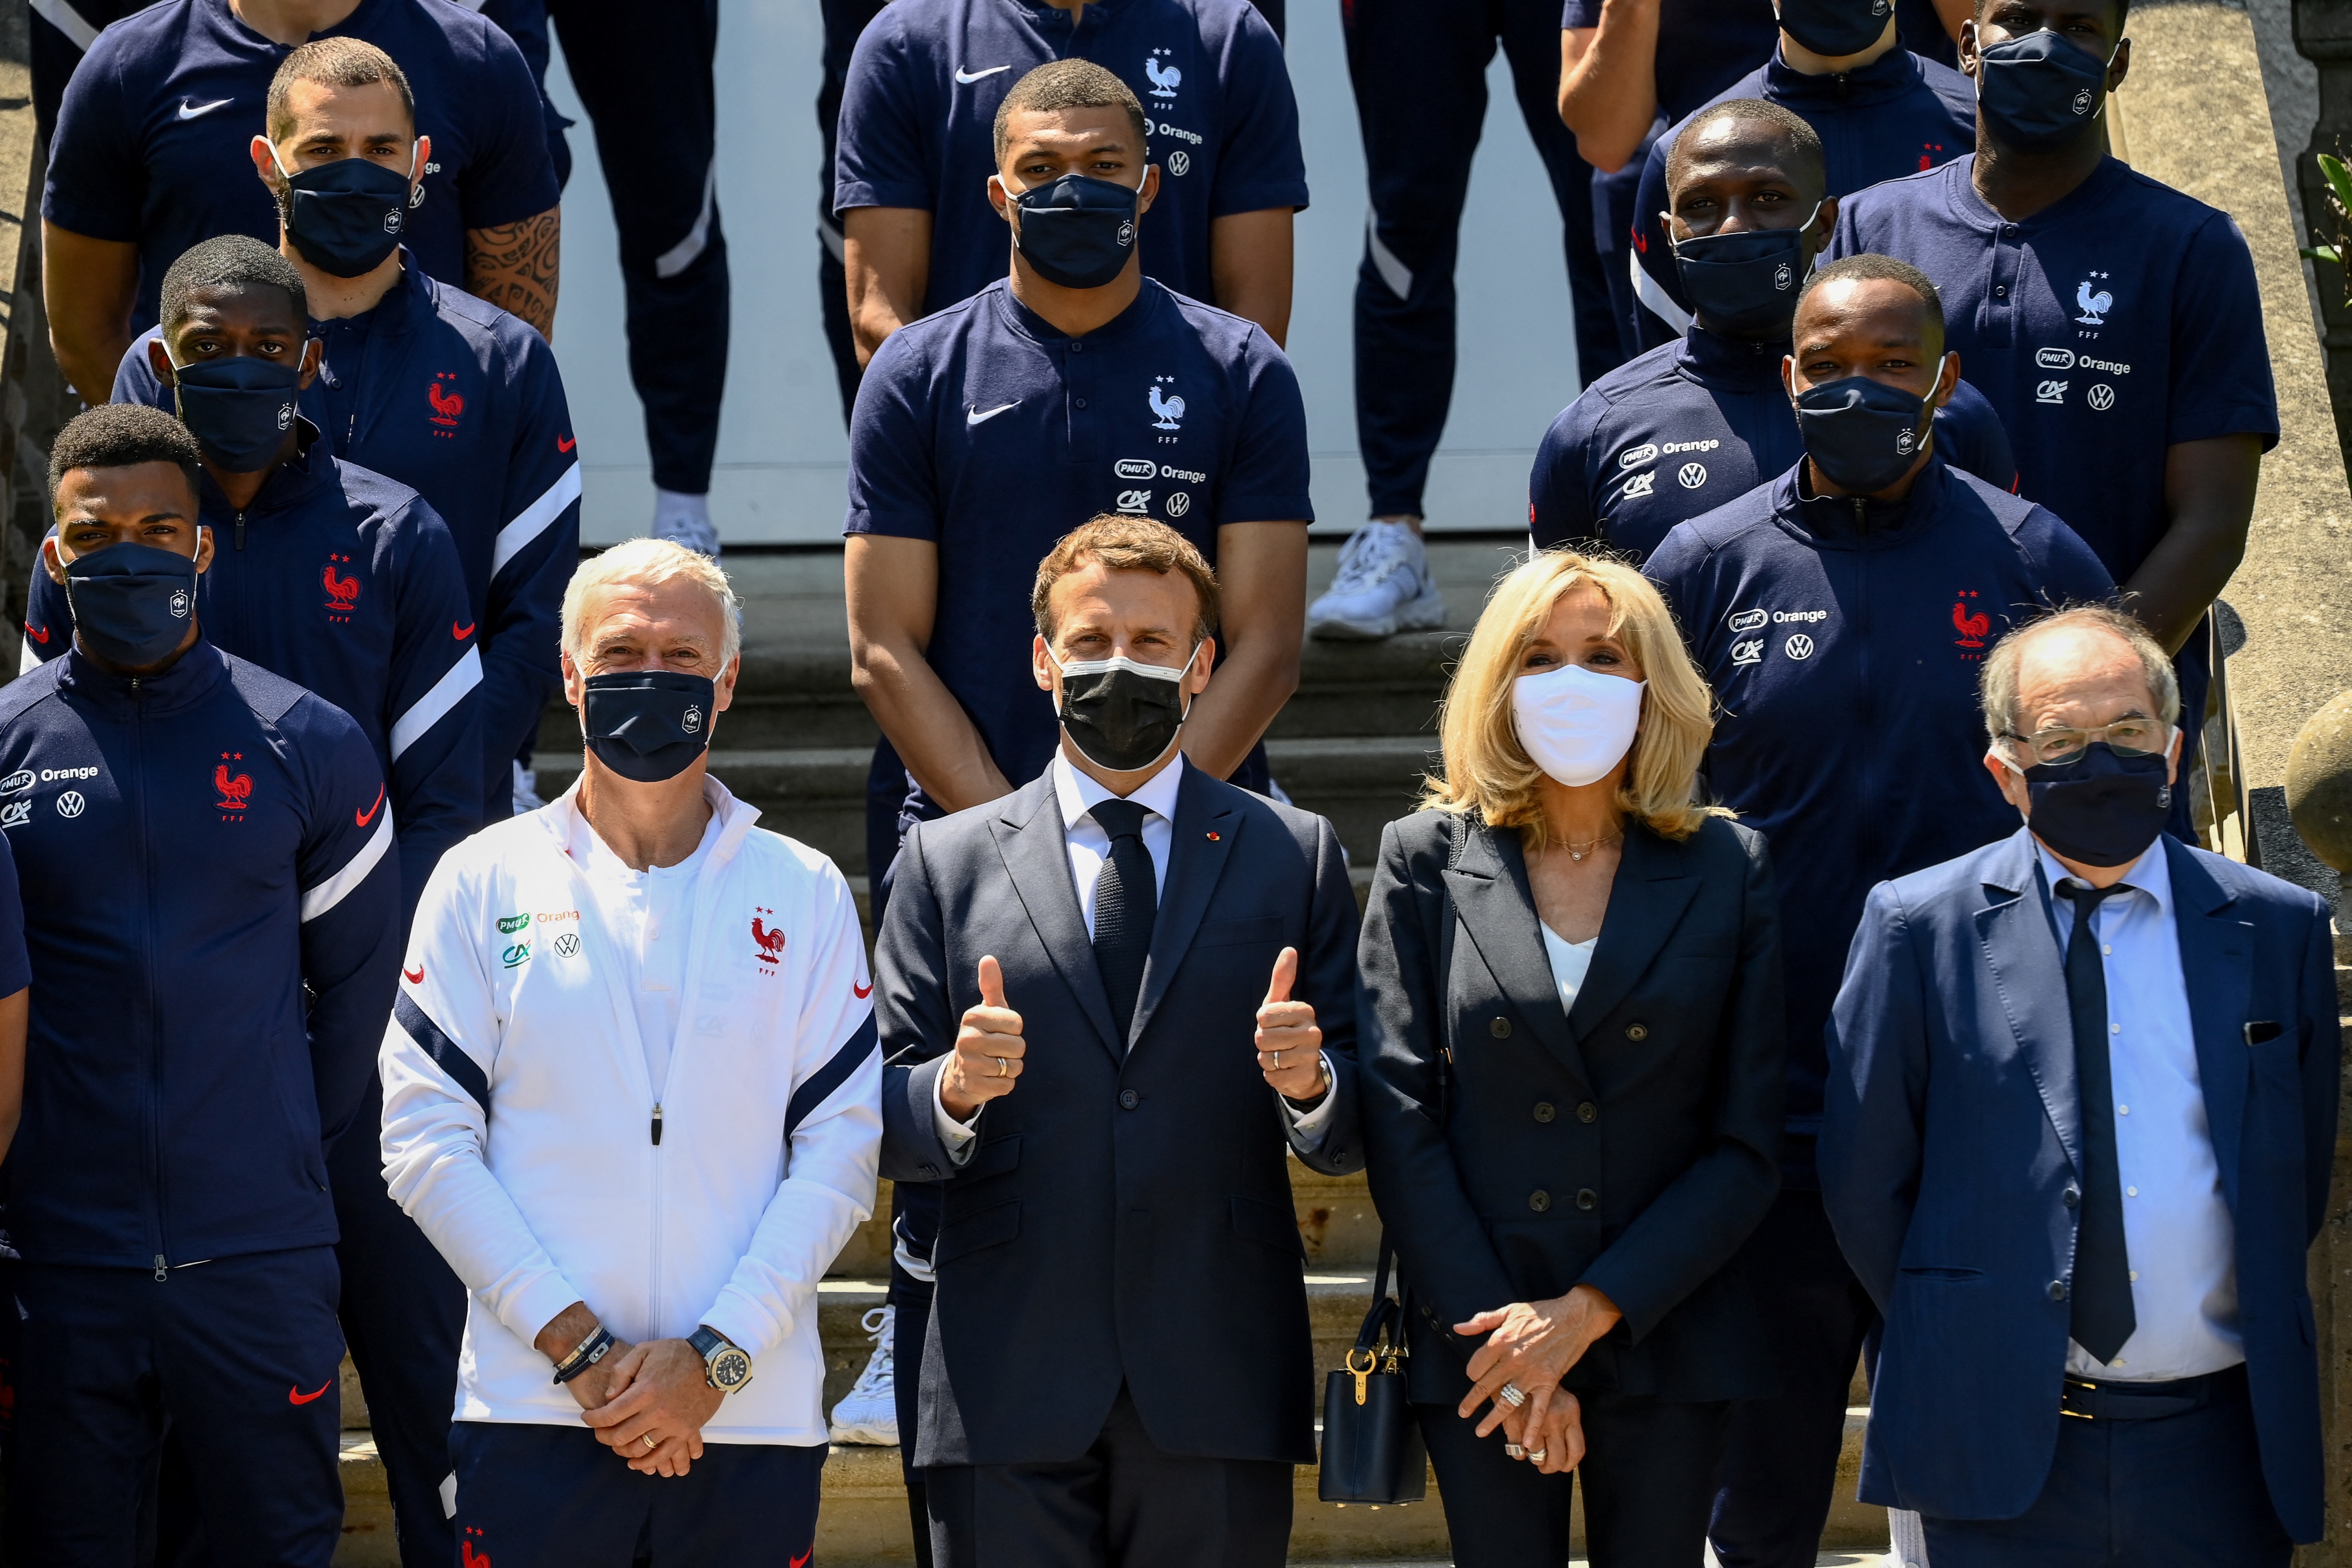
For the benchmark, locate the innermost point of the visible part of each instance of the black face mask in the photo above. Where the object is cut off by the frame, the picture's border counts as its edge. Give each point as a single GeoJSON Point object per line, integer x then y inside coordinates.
{"type": "Point", "coordinates": [239, 408]}
{"type": "Point", "coordinates": [346, 217]}
{"type": "Point", "coordinates": [1862, 434]}
{"type": "Point", "coordinates": [1121, 715]}
{"type": "Point", "coordinates": [2103, 808]}
{"type": "Point", "coordinates": [647, 724]}
{"type": "Point", "coordinates": [1076, 232]}
{"type": "Point", "coordinates": [2039, 91]}
{"type": "Point", "coordinates": [1835, 27]}
{"type": "Point", "coordinates": [1744, 283]}
{"type": "Point", "coordinates": [131, 603]}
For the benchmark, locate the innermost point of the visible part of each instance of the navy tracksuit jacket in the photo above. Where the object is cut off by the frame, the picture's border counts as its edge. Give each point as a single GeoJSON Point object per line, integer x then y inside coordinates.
{"type": "Point", "coordinates": [348, 584]}
{"type": "Point", "coordinates": [462, 403]}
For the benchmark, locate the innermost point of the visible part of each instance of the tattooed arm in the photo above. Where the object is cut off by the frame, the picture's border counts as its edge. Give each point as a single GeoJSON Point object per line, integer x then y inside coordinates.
{"type": "Point", "coordinates": [517, 266]}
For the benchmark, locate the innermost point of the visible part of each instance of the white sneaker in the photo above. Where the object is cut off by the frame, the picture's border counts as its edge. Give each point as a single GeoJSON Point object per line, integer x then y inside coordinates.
{"type": "Point", "coordinates": [1383, 588]}
{"type": "Point", "coordinates": [685, 519]}
{"type": "Point", "coordinates": [868, 1413]}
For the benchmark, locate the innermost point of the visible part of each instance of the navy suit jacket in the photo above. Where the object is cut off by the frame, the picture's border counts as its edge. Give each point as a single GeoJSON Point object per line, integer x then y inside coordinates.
{"type": "Point", "coordinates": [1951, 1141]}
{"type": "Point", "coordinates": [1126, 1216]}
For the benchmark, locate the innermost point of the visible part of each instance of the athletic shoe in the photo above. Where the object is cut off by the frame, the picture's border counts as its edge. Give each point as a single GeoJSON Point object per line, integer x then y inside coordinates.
{"type": "Point", "coordinates": [1383, 588]}
{"type": "Point", "coordinates": [686, 520]}
{"type": "Point", "coordinates": [868, 1413]}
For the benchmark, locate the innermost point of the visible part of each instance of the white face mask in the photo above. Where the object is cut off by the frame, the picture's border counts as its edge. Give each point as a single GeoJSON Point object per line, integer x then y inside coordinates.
{"type": "Point", "coordinates": [1575, 724]}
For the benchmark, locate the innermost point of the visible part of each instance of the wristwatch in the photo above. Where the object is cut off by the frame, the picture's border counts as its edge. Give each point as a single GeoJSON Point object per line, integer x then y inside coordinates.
{"type": "Point", "coordinates": [724, 1366]}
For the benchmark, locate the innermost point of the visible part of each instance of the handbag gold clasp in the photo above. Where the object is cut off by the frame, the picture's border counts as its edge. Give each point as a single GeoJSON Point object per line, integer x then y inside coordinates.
{"type": "Point", "coordinates": [1363, 1373]}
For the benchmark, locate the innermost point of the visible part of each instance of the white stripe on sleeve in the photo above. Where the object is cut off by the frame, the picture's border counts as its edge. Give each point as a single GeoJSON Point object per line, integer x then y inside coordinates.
{"type": "Point", "coordinates": [532, 520]}
{"type": "Point", "coordinates": [26, 660]}
{"type": "Point", "coordinates": [316, 901]}
{"type": "Point", "coordinates": [1655, 297]}
{"type": "Point", "coordinates": [427, 711]}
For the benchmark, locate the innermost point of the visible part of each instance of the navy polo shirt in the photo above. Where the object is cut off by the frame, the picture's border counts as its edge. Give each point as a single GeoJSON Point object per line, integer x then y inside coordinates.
{"type": "Point", "coordinates": [2105, 329]}
{"type": "Point", "coordinates": [1691, 426]}
{"type": "Point", "coordinates": [987, 431]}
{"type": "Point", "coordinates": [1895, 115]}
{"type": "Point", "coordinates": [1843, 640]}
{"type": "Point", "coordinates": [1704, 45]}
{"type": "Point", "coordinates": [918, 115]}
{"type": "Point", "coordinates": [15, 969]}
{"type": "Point", "coordinates": [153, 142]}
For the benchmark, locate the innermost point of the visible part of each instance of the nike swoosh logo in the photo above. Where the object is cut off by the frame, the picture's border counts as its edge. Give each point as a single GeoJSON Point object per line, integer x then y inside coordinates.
{"type": "Point", "coordinates": [564, 444]}
{"type": "Point", "coordinates": [364, 818]}
{"type": "Point", "coordinates": [461, 632]}
{"type": "Point", "coordinates": [801, 1561]}
{"type": "Point", "coordinates": [968, 77]}
{"type": "Point", "coordinates": [190, 111]}
{"type": "Point", "coordinates": [296, 1397]}
{"type": "Point", "coordinates": [863, 991]}
{"type": "Point", "coordinates": [414, 976]}
{"type": "Point", "coordinates": [37, 633]}
{"type": "Point", "coordinates": [974, 416]}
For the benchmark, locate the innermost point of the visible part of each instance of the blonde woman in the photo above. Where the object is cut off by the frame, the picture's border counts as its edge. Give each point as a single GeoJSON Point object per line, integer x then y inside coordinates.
{"type": "Point", "coordinates": [1570, 1030]}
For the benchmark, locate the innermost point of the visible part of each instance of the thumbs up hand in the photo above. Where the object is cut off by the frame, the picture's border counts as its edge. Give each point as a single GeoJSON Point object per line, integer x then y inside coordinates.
{"type": "Point", "coordinates": [987, 1049]}
{"type": "Point", "coordinates": [1289, 1046]}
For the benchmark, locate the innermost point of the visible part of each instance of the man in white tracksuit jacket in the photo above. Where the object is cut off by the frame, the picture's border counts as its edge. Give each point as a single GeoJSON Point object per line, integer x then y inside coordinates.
{"type": "Point", "coordinates": [632, 1094]}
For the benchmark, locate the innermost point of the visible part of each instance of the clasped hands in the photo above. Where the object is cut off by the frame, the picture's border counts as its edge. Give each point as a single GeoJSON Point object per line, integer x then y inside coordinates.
{"type": "Point", "coordinates": [989, 1052]}
{"type": "Point", "coordinates": [657, 1390]}
{"type": "Point", "coordinates": [1530, 1345]}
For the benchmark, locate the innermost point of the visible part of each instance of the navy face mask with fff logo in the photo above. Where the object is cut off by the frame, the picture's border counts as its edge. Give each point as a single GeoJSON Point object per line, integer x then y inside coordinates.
{"type": "Point", "coordinates": [2039, 91]}
{"type": "Point", "coordinates": [647, 724]}
{"type": "Point", "coordinates": [1862, 434]}
{"type": "Point", "coordinates": [238, 409]}
{"type": "Point", "coordinates": [1836, 28]}
{"type": "Point", "coordinates": [346, 217]}
{"type": "Point", "coordinates": [1744, 283]}
{"type": "Point", "coordinates": [2103, 807]}
{"type": "Point", "coordinates": [1078, 231]}
{"type": "Point", "coordinates": [131, 603]}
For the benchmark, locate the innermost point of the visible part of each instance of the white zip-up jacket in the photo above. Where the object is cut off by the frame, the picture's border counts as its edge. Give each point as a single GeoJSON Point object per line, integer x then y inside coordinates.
{"type": "Point", "coordinates": [520, 1126]}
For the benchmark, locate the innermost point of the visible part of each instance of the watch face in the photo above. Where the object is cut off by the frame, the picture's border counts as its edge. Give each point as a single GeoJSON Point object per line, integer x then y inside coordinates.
{"type": "Point", "coordinates": [730, 1369]}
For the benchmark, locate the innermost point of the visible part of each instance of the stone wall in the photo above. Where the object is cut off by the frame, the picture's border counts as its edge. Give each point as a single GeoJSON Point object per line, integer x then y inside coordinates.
{"type": "Point", "coordinates": [34, 398]}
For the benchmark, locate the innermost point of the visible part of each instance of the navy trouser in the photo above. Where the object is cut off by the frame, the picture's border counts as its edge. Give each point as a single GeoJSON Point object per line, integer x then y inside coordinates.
{"type": "Point", "coordinates": [1780, 1459]}
{"type": "Point", "coordinates": [1419, 72]}
{"type": "Point", "coordinates": [237, 1356]}
{"type": "Point", "coordinates": [657, 150]}
{"type": "Point", "coordinates": [1613, 225]}
{"type": "Point", "coordinates": [553, 1497]}
{"type": "Point", "coordinates": [844, 21]}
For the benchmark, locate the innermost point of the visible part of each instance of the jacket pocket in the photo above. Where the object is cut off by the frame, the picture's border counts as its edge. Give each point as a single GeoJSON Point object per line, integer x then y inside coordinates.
{"type": "Point", "coordinates": [1271, 1224]}
{"type": "Point", "coordinates": [993, 1158]}
{"type": "Point", "coordinates": [991, 1226]}
{"type": "Point", "coordinates": [1233, 933]}
{"type": "Point", "coordinates": [1930, 1274]}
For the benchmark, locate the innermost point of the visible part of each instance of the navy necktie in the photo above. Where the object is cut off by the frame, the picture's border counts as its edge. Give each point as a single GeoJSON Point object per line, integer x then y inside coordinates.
{"type": "Point", "coordinates": [1127, 906]}
{"type": "Point", "coordinates": [2103, 1315]}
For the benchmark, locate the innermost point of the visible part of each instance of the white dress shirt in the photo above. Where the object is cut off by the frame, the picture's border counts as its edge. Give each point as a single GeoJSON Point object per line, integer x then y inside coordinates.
{"type": "Point", "coordinates": [2177, 1228]}
{"type": "Point", "coordinates": [650, 914]}
{"type": "Point", "coordinates": [1089, 850]}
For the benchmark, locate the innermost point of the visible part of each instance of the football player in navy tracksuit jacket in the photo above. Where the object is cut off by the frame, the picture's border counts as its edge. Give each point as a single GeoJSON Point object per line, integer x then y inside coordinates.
{"type": "Point", "coordinates": [212, 914]}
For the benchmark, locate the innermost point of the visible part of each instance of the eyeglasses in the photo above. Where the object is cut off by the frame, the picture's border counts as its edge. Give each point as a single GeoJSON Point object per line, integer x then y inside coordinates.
{"type": "Point", "coordinates": [2127, 737]}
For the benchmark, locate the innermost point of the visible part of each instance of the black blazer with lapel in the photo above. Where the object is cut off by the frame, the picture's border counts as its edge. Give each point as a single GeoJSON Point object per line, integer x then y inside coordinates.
{"type": "Point", "coordinates": [1125, 1216]}
{"type": "Point", "coordinates": [1631, 1144]}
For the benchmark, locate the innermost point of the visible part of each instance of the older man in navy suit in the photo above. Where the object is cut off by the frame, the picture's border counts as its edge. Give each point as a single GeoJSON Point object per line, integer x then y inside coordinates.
{"type": "Point", "coordinates": [1110, 999]}
{"type": "Point", "coordinates": [2080, 1171]}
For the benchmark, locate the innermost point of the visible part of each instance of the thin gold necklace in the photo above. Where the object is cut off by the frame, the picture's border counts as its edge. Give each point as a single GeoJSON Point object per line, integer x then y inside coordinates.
{"type": "Point", "coordinates": [1577, 854]}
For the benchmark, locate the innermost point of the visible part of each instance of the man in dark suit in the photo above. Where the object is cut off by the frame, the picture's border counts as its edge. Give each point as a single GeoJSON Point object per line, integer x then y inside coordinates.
{"type": "Point", "coordinates": [1118, 1354]}
{"type": "Point", "coordinates": [2080, 1180]}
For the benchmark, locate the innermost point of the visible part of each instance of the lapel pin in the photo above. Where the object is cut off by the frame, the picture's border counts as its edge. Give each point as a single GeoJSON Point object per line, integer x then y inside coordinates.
{"type": "Point", "coordinates": [1212, 837]}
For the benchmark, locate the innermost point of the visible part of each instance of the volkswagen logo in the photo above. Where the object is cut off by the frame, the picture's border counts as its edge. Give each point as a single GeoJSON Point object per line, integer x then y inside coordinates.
{"type": "Point", "coordinates": [568, 945]}
{"type": "Point", "coordinates": [70, 803]}
{"type": "Point", "coordinates": [1798, 647]}
{"type": "Point", "coordinates": [1179, 162]}
{"type": "Point", "coordinates": [2101, 397]}
{"type": "Point", "coordinates": [1692, 474]}
{"type": "Point", "coordinates": [1179, 504]}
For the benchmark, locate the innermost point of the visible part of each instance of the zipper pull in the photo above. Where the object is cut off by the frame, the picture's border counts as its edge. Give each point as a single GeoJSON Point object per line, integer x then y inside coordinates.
{"type": "Point", "coordinates": [160, 1273]}
{"type": "Point", "coordinates": [240, 530]}
{"type": "Point", "coordinates": [657, 1123]}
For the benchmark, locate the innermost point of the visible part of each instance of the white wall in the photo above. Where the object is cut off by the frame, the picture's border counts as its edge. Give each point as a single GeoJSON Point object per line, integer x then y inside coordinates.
{"type": "Point", "coordinates": [782, 449]}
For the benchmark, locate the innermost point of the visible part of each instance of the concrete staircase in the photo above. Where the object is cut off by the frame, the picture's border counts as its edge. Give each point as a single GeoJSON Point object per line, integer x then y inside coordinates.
{"type": "Point", "coordinates": [1351, 744]}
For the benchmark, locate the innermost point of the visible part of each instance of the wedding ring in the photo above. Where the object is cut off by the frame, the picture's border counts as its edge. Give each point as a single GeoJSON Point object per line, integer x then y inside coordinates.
{"type": "Point", "coordinates": [1509, 1395]}
{"type": "Point", "coordinates": [1001, 1070]}
{"type": "Point", "coordinates": [1513, 1451]}
{"type": "Point", "coordinates": [651, 1441]}
{"type": "Point", "coordinates": [1277, 1062]}
{"type": "Point", "coordinates": [1538, 1456]}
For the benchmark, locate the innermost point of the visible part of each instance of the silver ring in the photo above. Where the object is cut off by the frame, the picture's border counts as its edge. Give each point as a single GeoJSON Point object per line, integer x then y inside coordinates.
{"type": "Point", "coordinates": [1277, 1062]}
{"type": "Point", "coordinates": [651, 1441]}
{"type": "Point", "coordinates": [1538, 1456]}
{"type": "Point", "coordinates": [1513, 1451]}
{"type": "Point", "coordinates": [1509, 1395]}
{"type": "Point", "coordinates": [1001, 1070]}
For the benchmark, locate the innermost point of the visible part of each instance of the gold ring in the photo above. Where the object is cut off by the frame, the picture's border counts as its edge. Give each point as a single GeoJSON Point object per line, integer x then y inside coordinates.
{"type": "Point", "coordinates": [651, 1441]}
{"type": "Point", "coordinates": [1277, 1062]}
{"type": "Point", "coordinates": [1002, 1070]}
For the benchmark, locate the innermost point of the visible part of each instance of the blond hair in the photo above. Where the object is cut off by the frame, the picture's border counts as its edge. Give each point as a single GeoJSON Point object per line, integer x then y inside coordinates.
{"type": "Point", "coordinates": [651, 562]}
{"type": "Point", "coordinates": [1486, 771]}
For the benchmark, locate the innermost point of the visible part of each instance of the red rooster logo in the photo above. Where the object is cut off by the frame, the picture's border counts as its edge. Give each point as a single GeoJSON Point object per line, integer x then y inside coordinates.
{"type": "Point", "coordinates": [234, 787]}
{"type": "Point", "coordinates": [1971, 628]}
{"type": "Point", "coordinates": [446, 405]}
{"type": "Point", "coordinates": [771, 943]}
{"type": "Point", "coordinates": [343, 592]}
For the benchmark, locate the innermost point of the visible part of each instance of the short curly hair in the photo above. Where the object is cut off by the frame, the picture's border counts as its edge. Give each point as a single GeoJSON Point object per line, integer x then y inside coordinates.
{"type": "Point", "coordinates": [122, 435]}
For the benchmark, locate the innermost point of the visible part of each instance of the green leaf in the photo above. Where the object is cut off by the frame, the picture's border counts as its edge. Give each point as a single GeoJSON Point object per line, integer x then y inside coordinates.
{"type": "Point", "coordinates": [2339, 178]}
{"type": "Point", "coordinates": [2320, 253]}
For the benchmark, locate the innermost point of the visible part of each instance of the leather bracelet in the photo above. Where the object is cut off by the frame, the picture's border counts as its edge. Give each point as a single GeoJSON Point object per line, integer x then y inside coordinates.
{"type": "Point", "coordinates": [589, 1352]}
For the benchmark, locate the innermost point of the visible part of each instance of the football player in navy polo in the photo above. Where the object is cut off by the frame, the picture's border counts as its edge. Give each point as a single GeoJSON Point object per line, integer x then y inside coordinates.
{"type": "Point", "coordinates": [434, 389]}
{"type": "Point", "coordinates": [178, 817]}
{"type": "Point", "coordinates": [1694, 423]}
{"type": "Point", "coordinates": [150, 157]}
{"type": "Point", "coordinates": [1840, 612]}
{"type": "Point", "coordinates": [986, 431]}
{"type": "Point", "coordinates": [1880, 110]}
{"type": "Point", "coordinates": [2114, 321]}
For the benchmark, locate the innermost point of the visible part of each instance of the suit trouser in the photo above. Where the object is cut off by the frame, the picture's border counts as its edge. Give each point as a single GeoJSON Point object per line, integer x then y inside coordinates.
{"type": "Point", "coordinates": [237, 1356]}
{"type": "Point", "coordinates": [1779, 1461]}
{"type": "Point", "coordinates": [1648, 1472]}
{"type": "Point", "coordinates": [1125, 1502]}
{"type": "Point", "coordinates": [2181, 1492]}
{"type": "Point", "coordinates": [658, 151]}
{"type": "Point", "coordinates": [1419, 72]}
{"type": "Point", "coordinates": [531, 1496]}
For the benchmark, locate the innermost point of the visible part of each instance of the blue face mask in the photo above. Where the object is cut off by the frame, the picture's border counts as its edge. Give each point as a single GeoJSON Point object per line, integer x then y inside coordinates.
{"type": "Point", "coordinates": [1836, 28]}
{"type": "Point", "coordinates": [647, 724]}
{"type": "Point", "coordinates": [2039, 91]}
{"type": "Point", "coordinates": [1863, 434]}
{"type": "Point", "coordinates": [346, 217]}
{"type": "Point", "coordinates": [2103, 807]}
{"type": "Point", "coordinates": [238, 409]}
{"type": "Point", "coordinates": [1744, 283]}
{"type": "Point", "coordinates": [1077, 231]}
{"type": "Point", "coordinates": [131, 603]}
